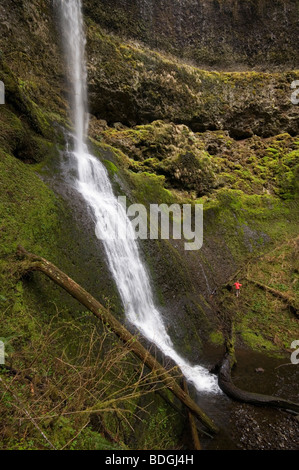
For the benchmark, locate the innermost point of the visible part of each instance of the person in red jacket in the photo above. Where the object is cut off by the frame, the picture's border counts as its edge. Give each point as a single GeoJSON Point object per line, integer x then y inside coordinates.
{"type": "Point", "coordinates": [237, 286]}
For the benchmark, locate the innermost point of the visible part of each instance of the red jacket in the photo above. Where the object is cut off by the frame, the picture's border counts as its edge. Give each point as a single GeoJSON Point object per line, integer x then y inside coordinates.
{"type": "Point", "coordinates": [238, 285]}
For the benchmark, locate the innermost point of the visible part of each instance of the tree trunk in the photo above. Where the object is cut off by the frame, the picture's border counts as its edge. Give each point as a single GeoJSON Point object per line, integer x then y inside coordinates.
{"type": "Point", "coordinates": [193, 429]}
{"type": "Point", "coordinates": [226, 384]}
{"type": "Point", "coordinates": [36, 263]}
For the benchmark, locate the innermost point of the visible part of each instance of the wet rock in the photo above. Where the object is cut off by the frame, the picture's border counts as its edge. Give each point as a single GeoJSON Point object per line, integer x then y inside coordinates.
{"type": "Point", "coordinates": [132, 86]}
{"type": "Point", "coordinates": [210, 32]}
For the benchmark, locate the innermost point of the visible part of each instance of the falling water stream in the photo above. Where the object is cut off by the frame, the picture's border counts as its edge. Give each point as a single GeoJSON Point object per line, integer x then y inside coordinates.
{"type": "Point", "coordinates": [92, 182]}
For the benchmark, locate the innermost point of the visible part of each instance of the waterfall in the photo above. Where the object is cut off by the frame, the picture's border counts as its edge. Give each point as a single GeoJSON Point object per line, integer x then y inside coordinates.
{"type": "Point", "coordinates": [92, 182]}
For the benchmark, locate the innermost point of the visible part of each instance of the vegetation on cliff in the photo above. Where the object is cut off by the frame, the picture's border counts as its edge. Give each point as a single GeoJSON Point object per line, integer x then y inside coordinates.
{"type": "Point", "coordinates": [133, 85]}
{"type": "Point", "coordinates": [168, 132]}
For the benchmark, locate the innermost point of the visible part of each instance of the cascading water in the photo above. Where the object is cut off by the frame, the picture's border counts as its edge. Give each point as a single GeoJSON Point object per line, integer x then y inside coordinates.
{"type": "Point", "coordinates": [93, 184]}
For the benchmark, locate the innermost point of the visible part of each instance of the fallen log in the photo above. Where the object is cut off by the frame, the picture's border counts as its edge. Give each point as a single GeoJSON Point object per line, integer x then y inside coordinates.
{"type": "Point", "coordinates": [37, 263]}
{"type": "Point", "coordinates": [227, 386]}
{"type": "Point", "coordinates": [290, 302]}
{"type": "Point", "coordinates": [192, 424]}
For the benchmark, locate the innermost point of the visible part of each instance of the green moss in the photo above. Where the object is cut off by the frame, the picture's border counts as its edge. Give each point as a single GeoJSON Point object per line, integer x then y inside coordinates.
{"type": "Point", "coordinates": [31, 215]}
{"type": "Point", "coordinates": [217, 338]}
{"type": "Point", "coordinates": [255, 340]}
{"type": "Point", "coordinates": [27, 207]}
{"type": "Point", "coordinates": [112, 169]}
{"type": "Point", "coordinates": [12, 133]}
{"type": "Point", "coordinates": [162, 428]}
{"type": "Point", "coordinates": [262, 327]}
{"type": "Point", "coordinates": [263, 321]}
{"type": "Point", "coordinates": [183, 157]}
{"type": "Point", "coordinates": [149, 189]}
{"type": "Point", "coordinates": [63, 432]}
{"type": "Point", "coordinates": [18, 98]}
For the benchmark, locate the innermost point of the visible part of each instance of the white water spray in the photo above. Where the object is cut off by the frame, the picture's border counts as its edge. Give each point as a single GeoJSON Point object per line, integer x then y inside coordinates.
{"type": "Point", "coordinates": [93, 184]}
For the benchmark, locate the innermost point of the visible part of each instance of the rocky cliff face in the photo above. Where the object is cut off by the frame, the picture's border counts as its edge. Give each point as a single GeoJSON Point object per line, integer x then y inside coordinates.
{"type": "Point", "coordinates": [211, 32]}
{"type": "Point", "coordinates": [228, 140]}
{"type": "Point", "coordinates": [133, 85]}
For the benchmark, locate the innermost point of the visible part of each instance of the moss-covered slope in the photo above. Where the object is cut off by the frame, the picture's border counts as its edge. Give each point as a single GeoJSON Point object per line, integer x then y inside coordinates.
{"type": "Point", "coordinates": [167, 132]}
